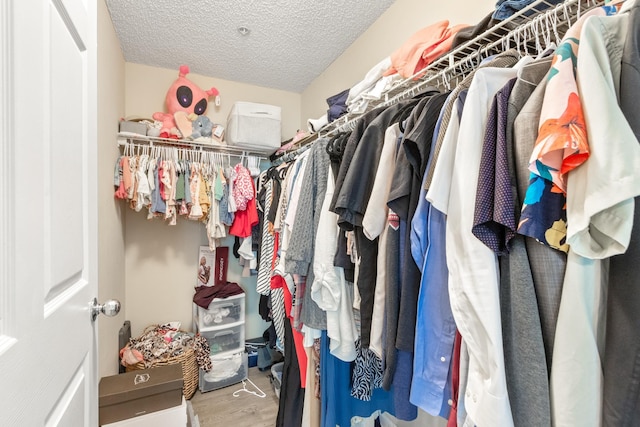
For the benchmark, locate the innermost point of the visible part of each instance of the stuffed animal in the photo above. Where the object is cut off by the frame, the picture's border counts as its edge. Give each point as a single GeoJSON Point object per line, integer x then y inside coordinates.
{"type": "Point", "coordinates": [168, 128]}
{"type": "Point", "coordinates": [202, 126]}
{"type": "Point", "coordinates": [183, 95]}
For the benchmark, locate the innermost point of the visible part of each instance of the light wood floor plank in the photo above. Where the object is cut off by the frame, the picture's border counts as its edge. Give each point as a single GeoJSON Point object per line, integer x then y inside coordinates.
{"type": "Point", "coordinates": [219, 407]}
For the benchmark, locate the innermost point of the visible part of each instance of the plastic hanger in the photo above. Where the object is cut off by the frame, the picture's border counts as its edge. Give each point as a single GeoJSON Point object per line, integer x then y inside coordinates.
{"type": "Point", "coordinates": [259, 393]}
{"type": "Point", "coordinates": [254, 169]}
{"type": "Point", "coordinates": [447, 80]}
{"type": "Point", "coordinates": [537, 33]}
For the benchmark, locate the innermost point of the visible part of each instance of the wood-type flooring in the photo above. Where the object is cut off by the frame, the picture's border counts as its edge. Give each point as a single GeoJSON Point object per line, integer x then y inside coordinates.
{"type": "Point", "coordinates": [219, 408]}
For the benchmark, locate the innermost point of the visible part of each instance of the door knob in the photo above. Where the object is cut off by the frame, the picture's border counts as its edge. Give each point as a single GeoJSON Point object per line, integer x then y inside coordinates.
{"type": "Point", "coordinates": [109, 308]}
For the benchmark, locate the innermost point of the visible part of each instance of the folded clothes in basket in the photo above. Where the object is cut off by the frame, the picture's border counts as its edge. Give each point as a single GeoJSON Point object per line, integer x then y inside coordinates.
{"type": "Point", "coordinates": [161, 342]}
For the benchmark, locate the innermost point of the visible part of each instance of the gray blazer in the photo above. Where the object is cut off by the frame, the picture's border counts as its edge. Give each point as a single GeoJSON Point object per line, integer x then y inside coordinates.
{"type": "Point", "coordinates": [524, 352]}
{"type": "Point", "coordinates": [547, 264]}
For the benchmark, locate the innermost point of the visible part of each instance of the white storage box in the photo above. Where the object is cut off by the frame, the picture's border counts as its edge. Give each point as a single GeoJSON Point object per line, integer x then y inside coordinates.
{"type": "Point", "coordinates": [224, 339]}
{"type": "Point", "coordinates": [227, 369]}
{"type": "Point", "coordinates": [221, 312]}
{"type": "Point", "coordinates": [255, 127]}
{"type": "Point", "coordinates": [128, 126]}
{"type": "Point", "coordinates": [171, 417]}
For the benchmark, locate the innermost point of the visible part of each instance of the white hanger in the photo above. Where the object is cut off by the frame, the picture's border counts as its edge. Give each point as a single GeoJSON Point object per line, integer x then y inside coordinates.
{"type": "Point", "coordinates": [478, 57]}
{"type": "Point", "coordinates": [254, 169]}
{"type": "Point", "coordinates": [259, 393]}
{"type": "Point", "coordinates": [567, 15]}
{"type": "Point", "coordinates": [546, 32]}
{"type": "Point", "coordinates": [537, 33]}
{"type": "Point", "coordinates": [523, 41]}
{"type": "Point", "coordinates": [554, 27]}
{"type": "Point", "coordinates": [506, 42]}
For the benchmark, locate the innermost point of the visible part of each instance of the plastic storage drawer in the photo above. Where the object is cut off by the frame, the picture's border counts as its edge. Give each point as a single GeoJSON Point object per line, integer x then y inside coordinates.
{"type": "Point", "coordinates": [227, 369]}
{"type": "Point", "coordinates": [221, 312]}
{"type": "Point", "coordinates": [224, 339]}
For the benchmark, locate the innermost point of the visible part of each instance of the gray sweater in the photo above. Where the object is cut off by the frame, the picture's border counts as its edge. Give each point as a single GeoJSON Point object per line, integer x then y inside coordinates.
{"type": "Point", "coordinates": [299, 257]}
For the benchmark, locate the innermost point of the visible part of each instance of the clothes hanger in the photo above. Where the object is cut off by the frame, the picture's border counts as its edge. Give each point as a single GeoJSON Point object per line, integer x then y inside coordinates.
{"type": "Point", "coordinates": [546, 32]}
{"type": "Point", "coordinates": [446, 77]}
{"type": "Point", "coordinates": [254, 166]}
{"type": "Point", "coordinates": [525, 42]}
{"type": "Point", "coordinates": [537, 32]}
{"type": "Point", "coordinates": [259, 393]}
{"type": "Point", "coordinates": [478, 58]}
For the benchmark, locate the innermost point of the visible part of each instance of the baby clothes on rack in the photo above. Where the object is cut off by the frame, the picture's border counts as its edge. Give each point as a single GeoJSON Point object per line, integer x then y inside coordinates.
{"type": "Point", "coordinates": [172, 183]}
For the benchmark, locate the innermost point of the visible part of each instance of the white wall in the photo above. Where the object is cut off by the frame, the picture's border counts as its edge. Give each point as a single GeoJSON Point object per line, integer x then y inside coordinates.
{"type": "Point", "coordinates": [147, 86]}
{"type": "Point", "coordinates": [111, 248]}
{"type": "Point", "coordinates": [161, 260]}
{"type": "Point", "coordinates": [388, 33]}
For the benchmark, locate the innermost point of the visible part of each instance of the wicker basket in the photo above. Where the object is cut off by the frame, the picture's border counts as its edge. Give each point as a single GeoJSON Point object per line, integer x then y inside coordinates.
{"type": "Point", "coordinates": [189, 369]}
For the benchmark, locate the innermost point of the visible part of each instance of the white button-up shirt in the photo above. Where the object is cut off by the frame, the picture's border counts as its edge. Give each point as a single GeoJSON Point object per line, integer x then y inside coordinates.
{"type": "Point", "coordinates": [599, 217]}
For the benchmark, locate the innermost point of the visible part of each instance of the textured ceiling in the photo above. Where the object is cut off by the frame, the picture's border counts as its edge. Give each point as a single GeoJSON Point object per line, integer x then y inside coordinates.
{"type": "Point", "coordinates": [290, 41]}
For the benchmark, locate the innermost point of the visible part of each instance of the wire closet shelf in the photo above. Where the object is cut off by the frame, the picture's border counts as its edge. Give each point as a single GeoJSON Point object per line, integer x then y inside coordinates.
{"type": "Point", "coordinates": [531, 30]}
{"type": "Point", "coordinates": [183, 148]}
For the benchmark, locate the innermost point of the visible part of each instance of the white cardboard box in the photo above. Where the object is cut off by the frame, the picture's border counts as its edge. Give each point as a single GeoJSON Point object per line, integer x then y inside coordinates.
{"type": "Point", "coordinates": [171, 417]}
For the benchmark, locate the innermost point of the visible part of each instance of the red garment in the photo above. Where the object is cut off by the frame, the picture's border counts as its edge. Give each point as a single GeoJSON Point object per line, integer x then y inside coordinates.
{"type": "Point", "coordinates": [278, 281]}
{"type": "Point", "coordinates": [276, 245]}
{"type": "Point", "coordinates": [455, 381]}
{"type": "Point", "coordinates": [246, 219]}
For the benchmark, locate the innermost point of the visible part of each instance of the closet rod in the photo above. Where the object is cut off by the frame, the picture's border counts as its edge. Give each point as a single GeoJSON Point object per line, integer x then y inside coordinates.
{"type": "Point", "coordinates": [194, 146]}
{"type": "Point", "coordinates": [290, 155]}
{"type": "Point", "coordinates": [525, 37]}
{"type": "Point", "coordinates": [520, 29]}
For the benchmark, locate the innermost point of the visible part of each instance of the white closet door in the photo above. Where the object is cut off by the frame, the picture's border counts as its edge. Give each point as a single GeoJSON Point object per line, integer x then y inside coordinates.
{"type": "Point", "coordinates": [48, 213]}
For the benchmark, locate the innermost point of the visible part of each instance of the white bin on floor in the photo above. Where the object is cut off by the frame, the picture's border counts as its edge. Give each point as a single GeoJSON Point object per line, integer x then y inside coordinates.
{"type": "Point", "coordinates": [228, 369]}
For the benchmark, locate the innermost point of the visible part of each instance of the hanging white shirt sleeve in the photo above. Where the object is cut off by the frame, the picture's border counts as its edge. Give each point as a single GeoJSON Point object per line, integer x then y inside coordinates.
{"type": "Point", "coordinates": [473, 267]}
{"type": "Point", "coordinates": [600, 192]}
{"type": "Point", "coordinates": [375, 215]}
{"type": "Point", "coordinates": [325, 289]}
{"type": "Point", "coordinates": [599, 217]}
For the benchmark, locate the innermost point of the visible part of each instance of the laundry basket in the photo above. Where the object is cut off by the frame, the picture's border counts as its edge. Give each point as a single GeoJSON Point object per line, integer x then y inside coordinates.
{"type": "Point", "coordinates": [186, 358]}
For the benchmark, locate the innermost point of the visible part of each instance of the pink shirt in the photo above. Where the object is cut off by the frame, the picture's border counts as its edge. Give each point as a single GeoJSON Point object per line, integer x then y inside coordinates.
{"type": "Point", "coordinates": [422, 48]}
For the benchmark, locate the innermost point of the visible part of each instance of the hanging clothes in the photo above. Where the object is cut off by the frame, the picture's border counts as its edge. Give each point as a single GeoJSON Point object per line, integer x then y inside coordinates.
{"type": "Point", "coordinates": [429, 213]}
